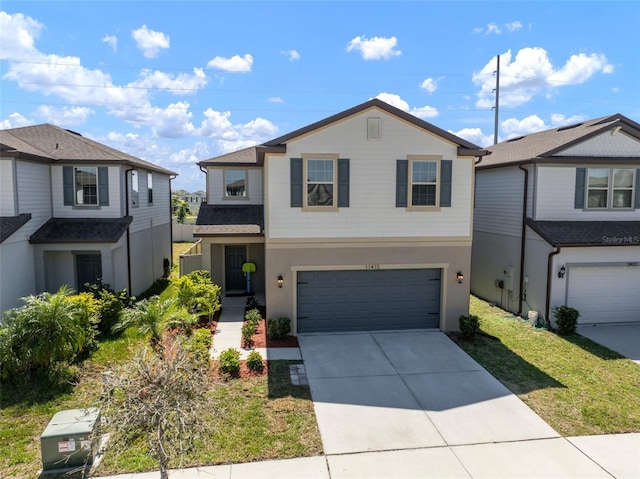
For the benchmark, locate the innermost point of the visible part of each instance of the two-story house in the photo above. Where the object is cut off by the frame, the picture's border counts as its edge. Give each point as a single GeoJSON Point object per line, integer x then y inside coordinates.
{"type": "Point", "coordinates": [557, 222]}
{"type": "Point", "coordinates": [73, 210]}
{"type": "Point", "coordinates": [360, 221]}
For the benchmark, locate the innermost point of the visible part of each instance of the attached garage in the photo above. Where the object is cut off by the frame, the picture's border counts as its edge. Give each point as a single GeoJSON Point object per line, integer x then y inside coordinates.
{"type": "Point", "coordinates": [368, 300]}
{"type": "Point", "coordinates": [606, 294]}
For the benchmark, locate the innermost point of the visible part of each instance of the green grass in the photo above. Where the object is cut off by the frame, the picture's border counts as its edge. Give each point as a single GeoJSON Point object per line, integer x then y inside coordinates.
{"type": "Point", "coordinates": [577, 386]}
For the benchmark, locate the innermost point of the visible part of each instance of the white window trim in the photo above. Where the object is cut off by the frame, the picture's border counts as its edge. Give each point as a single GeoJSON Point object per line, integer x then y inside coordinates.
{"type": "Point", "coordinates": [246, 185]}
{"type": "Point", "coordinates": [75, 192]}
{"type": "Point", "coordinates": [305, 188]}
{"type": "Point", "coordinates": [136, 190]}
{"type": "Point", "coordinates": [420, 158]}
{"type": "Point", "coordinates": [610, 190]}
{"type": "Point", "coordinates": [149, 175]}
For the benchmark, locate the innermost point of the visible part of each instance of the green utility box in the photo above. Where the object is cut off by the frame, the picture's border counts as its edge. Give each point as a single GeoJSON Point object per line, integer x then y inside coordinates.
{"type": "Point", "coordinates": [70, 439]}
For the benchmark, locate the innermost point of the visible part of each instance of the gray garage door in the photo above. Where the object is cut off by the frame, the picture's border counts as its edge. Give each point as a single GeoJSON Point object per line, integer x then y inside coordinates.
{"type": "Point", "coordinates": [368, 300]}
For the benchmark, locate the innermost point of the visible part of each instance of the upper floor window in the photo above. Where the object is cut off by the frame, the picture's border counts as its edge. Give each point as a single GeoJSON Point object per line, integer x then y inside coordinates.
{"type": "Point", "coordinates": [235, 183]}
{"type": "Point", "coordinates": [149, 188]}
{"type": "Point", "coordinates": [609, 188]}
{"type": "Point", "coordinates": [85, 180]}
{"type": "Point", "coordinates": [320, 182]}
{"type": "Point", "coordinates": [135, 188]}
{"type": "Point", "coordinates": [424, 183]}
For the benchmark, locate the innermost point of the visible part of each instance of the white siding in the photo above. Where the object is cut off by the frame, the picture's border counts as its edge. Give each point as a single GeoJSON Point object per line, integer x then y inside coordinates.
{"type": "Point", "coordinates": [7, 187]}
{"type": "Point", "coordinates": [146, 216]}
{"type": "Point", "coordinates": [18, 273]}
{"type": "Point", "coordinates": [498, 205]}
{"type": "Point", "coordinates": [215, 179]}
{"type": "Point", "coordinates": [34, 190]}
{"type": "Point", "coordinates": [555, 198]}
{"type": "Point", "coordinates": [605, 144]}
{"type": "Point", "coordinates": [62, 211]}
{"type": "Point", "coordinates": [372, 211]}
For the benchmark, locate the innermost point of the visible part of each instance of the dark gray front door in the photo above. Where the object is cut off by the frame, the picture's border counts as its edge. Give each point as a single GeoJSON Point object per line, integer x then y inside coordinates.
{"type": "Point", "coordinates": [88, 269]}
{"type": "Point", "coordinates": [235, 257]}
{"type": "Point", "coordinates": [368, 300]}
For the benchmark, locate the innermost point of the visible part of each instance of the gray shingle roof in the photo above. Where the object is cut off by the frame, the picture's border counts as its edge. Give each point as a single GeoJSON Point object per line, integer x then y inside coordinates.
{"type": "Point", "coordinates": [81, 230]}
{"type": "Point", "coordinates": [229, 220]}
{"type": "Point", "coordinates": [546, 144]}
{"type": "Point", "coordinates": [588, 233]}
{"type": "Point", "coordinates": [11, 224]}
{"type": "Point", "coordinates": [51, 142]}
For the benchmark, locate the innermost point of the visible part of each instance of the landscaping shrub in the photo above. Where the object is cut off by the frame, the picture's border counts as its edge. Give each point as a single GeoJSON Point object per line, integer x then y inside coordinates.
{"type": "Point", "coordinates": [198, 345]}
{"type": "Point", "coordinates": [255, 362]}
{"type": "Point", "coordinates": [469, 326]}
{"type": "Point", "coordinates": [248, 330]}
{"type": "Point", "coordinates": [111, 303]}
{"type": "Point", "coordinates": [253, 303]}
{"type": "Point", "coordinates": [229, 362]}
{"type": "Point", "coordinates": [253, 315]}
{"type": "Point", "coordinates": [279, 328]}
{"type": "Point", "coordinates": [197, 293]}
{"type": "Point", "coordinates": [566, 319]}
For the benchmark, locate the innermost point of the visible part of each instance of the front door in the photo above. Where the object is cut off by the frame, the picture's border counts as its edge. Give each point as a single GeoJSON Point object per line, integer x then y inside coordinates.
{"type": "Point", "coordinates": [235, 257]}
{"type": "Point", "coordinates": [88, 269]}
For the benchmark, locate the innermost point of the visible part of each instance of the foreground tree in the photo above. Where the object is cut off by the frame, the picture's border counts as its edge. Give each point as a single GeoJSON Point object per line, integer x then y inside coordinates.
{"type": "Point", "coordinates": [161, 398]}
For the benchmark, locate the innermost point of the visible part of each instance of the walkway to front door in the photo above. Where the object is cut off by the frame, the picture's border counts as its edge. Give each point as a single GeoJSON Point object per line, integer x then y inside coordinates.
{"type": "Point", "coordinates": [234, 256]}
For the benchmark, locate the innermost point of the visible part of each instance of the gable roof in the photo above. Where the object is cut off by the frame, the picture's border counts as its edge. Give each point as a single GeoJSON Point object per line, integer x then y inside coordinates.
{"type": "Point", "coordinates": [52, 143]}
{"type": "Point", "coordinates": [255, 155]}
{"type": "Point", "coordinates": [81, 230]}
{"type": "Point", "coordinates": [542, 146]}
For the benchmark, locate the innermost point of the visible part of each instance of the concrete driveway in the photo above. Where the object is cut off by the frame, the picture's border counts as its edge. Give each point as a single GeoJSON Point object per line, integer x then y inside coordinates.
{"type": "Point", "coordinates": [386, 391]}
{"type": "Point", "coordinates": [622, 338]}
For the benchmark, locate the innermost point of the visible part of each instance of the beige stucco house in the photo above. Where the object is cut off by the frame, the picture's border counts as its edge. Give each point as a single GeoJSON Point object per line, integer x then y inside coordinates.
{"type": "Point", "coordinates": [361, 221]}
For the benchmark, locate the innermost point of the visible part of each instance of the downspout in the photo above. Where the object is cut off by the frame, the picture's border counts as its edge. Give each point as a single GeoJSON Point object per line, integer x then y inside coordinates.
{"type": "Point", "coordinates": [171, 178]}
{"type": "Point", "coordinates": [126, 197]}
{"type": "Point", "coordinates": [523, 238]}
{"type": "Point", "coordinates": [206, 186]}
{"type": "Point", "coordinates": [549, 270]}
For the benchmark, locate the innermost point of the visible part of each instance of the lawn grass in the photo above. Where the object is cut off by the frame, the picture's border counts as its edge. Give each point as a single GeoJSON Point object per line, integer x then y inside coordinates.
{"type": "Point", "coordinates": [577, 386]}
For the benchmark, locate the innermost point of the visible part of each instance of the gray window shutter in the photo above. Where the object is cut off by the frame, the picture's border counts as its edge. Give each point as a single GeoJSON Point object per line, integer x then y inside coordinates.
{"type": "Point", "coordinates": [581, 179]}
{"type": "Point", "coordinates": [446, 170]}
{"type": "Point", "coordinates": [402, 182]}
{"type": "Point", "coordinates": [67, 185]}
{"type": "Point", "coordinates": [343, 182]}
{"type": "Point", "coordinates": [296, 182]}
{"type": "Point", "coordinates": [103, 186]}
{"type": "Point", "coordinates": [637, 192]}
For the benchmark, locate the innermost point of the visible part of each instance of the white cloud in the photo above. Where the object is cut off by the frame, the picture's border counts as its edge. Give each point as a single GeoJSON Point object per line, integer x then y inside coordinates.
{"type": "Point", "coordinates": [234, 64]}
{"type": "Point", "coordinates": [513, 26]}
{"type": "Point", "coordinates": [15, 120]}
{"type": "Point", "coordinates": [112, 41]}
{"type": "Point", "coordinates": [496, 29]}
{"type": "Point", "coordinates": [150, 42]}
{"type": "Point", "coordinates": [276, 99]}
{"type": "Point", "coordinates": [493, 28]}
{"type": "Point", "coordinates": [424, 112]}
{"type": "Point", "coordinates": [558, 119]}
{"type": "Point", "coordinates": [17, 35]}
{"type": "Point", "coordinates": [190, 156]}
{"type": "Point", "coordinates": [292, 54]}
{"type": "Point", "coordinates": [229, 137]}
{"type": "Point", "coordinates": [475, 136]}
{"type": "Point", "coordinates": [375, 48]}
{"type": "Point", "coordinates": [173, 121]}
{"type": "Point", "coordinates": [182, 84]}
{"type": "Point", "coordinates": [429, 85]}
{"type": "Point", "coordinates": [531, 73]}
{"type": "Point", "coordinates": [395, 100]}
{"type": "Point", "coordinates": [513, 127]}
{"type": "Point", "coordinates": [65, 116]}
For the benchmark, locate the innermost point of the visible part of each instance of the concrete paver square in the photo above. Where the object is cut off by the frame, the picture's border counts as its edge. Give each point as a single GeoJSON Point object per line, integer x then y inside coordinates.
{"type": "Point", "coordinates": [438, 462]}
{"type": "Point", "coordinates": [343, 355]}
{"type": "Point", "coordinates": [473, 407]}
{"type": "Point", "coordinates": [618, 454]}
{"type": "Point", "coordinates": [530, 459]}
{"type": "Point", "coordinates": [424, 352]}
{"type": "Point", "coordinates": [360, 414]}
{"type": "Point", "coordinates": [305, 467]}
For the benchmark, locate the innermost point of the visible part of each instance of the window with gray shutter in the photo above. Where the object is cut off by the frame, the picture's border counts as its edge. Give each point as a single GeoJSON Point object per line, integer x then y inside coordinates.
{"type": "Point", "coordinates": [296, 182]}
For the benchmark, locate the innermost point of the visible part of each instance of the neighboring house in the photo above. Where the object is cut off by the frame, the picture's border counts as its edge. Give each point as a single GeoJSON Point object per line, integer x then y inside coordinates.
{"type": "Point", "coordinates": [73, 210]}
{"type": "Point", "coordinates": [557, 222]}
{"type": "Point", "coordinates": [194, 200]}
{"type": "Point", "coordinates": [361, 221]}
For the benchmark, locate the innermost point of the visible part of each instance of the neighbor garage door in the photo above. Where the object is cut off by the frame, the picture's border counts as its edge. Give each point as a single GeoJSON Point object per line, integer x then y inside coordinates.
{"type": "Point", "coordinates": [368, 300]}
{"type": "Point", "coordinates": [605, 294]}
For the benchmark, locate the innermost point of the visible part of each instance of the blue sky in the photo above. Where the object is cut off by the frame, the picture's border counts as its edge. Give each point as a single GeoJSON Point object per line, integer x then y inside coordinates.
{"type": "Point", "coordinates": [179, 82]}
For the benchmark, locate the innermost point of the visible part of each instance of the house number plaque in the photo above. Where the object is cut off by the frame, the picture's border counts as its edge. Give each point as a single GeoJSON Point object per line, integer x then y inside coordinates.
{"type": "Point", "coordinates": [371, 266]}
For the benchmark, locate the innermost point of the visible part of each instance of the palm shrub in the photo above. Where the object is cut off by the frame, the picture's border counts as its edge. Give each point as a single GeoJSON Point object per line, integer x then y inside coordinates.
{"type": "Point", "coordinates": [50, 330]}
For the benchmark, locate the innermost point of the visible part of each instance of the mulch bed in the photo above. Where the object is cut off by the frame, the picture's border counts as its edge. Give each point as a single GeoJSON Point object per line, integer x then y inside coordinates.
{"type": "Point", "coordinates": [245, 372]}
{"type": "Point", "coordinates": [260, 339]}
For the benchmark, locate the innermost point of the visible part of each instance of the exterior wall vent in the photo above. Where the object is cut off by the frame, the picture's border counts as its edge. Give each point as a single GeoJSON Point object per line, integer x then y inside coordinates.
{"type": "Point", "coordinates": [373, 128]}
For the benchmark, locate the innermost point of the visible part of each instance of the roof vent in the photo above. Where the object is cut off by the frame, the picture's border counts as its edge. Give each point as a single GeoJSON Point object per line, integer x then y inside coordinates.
{"type": "Point", "coordinates": [569, 127]}
{"type": "Point", "coordinates": [74, 132]}
{"type": "Point", "coordinates": [515, 139]}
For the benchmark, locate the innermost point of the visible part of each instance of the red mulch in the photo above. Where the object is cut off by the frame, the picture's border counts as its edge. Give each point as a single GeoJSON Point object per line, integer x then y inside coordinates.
{"type": "Point", "coordinates": [260, 339]}
{"type": "Point", "coordinates": [245, 372]}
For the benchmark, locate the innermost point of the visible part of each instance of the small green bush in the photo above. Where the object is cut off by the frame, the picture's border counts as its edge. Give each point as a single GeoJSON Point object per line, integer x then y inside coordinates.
{"type": "Point", "coordinates": [254, 361]}
{"type": "Point", "coordinates": [566, 319]}
{"type": "Point", "coordinates": [229, 362]}
{"type": "Point", "coordinates": [253, 315]}
{"type": "Point", "coordinates": [111, 303]}
{"type": "Point", "coordinates": [278, 328]}
{"type": "Point", "coordinates": [198, 345]}
{"type": "Point", "coordinates": [253, 302]}
{"type": "Point", "coordinates": [469, 326]}
{"type": "Point", "coordinates": [248, 329]}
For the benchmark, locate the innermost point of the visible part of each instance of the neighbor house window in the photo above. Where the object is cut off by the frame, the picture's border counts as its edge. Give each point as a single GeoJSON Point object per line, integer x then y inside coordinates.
{"type": "Point", "coordinates": [149, 188]}
{"type": "Point", "coordinates": [86, 185]}
{"type": "Point", "coordinates": [135, 191]}
{"type": "Point", "coordinates": [235, 183]}
{"type": "Point", "coordinates": [320, 180]}
{"type": "Point", "coordinates": [610, 188]}
{"type": "Point", "coordinates": [424, 183]}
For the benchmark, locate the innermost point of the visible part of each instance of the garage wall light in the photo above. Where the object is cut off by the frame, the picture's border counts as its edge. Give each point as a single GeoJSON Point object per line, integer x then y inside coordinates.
{"type": "Point", "coordinates": [280, 281]}
{"type": "Point", "coordinates": [460, 277]}
{"type": "Point", "coordinates": [562, 271]}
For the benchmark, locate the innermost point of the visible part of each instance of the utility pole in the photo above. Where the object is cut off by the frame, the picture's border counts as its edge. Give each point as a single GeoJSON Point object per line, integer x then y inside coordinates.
{"type": "Point", "coordinates": [496, 108]}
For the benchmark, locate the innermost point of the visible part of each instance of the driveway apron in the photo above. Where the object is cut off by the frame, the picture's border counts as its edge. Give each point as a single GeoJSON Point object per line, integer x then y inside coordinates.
{"type": "Point", "coordinates": [405, 390]}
